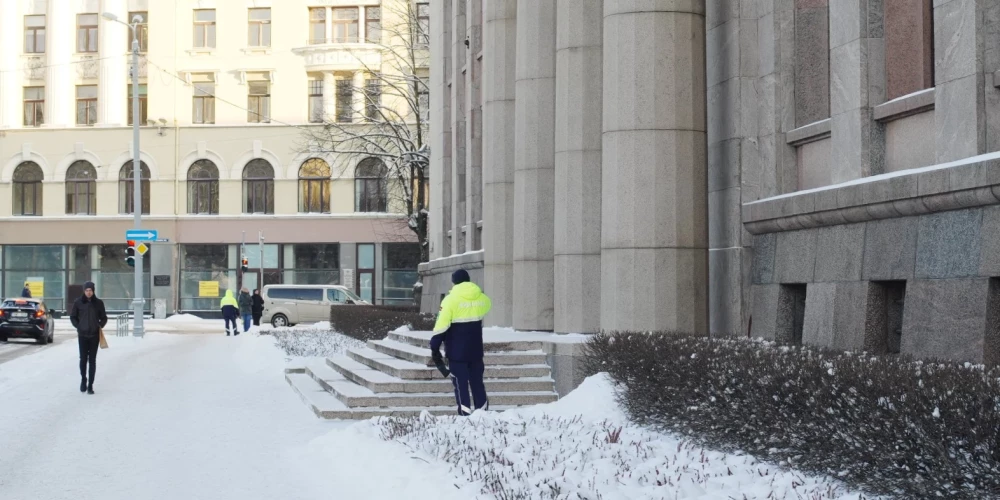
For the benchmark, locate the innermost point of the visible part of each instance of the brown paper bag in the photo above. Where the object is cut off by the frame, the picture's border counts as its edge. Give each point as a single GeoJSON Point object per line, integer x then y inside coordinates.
{"type": "Point", "coordinates": [103, 341]}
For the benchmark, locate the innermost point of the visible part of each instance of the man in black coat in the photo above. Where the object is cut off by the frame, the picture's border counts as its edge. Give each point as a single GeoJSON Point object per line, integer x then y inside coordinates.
{"type": "Point", "coordinates": [88, 317]}
{"type": "Point", "coordinates": [258, 307]}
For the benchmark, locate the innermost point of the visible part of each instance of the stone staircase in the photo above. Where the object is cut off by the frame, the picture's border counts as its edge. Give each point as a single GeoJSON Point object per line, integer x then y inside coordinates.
{"type": "Point", "coordinates": [396, 376]}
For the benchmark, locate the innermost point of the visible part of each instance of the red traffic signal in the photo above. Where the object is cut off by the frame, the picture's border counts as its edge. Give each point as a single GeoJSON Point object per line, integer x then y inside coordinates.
{"type": "Point", "coordinates": [130, 253]}
{"type": "Point", "coordinates": [245, 264]}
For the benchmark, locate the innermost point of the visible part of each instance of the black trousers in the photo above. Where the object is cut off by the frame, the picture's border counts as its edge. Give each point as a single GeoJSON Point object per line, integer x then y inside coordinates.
{"type": "Point", "coordinates": [256, 319]}
{"type": "Point", "coordinates": [88, 354]}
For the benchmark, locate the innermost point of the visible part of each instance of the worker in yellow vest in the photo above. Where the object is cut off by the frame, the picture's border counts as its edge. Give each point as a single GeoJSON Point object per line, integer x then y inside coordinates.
{"type": "Point", "coordinates": [460, 327]}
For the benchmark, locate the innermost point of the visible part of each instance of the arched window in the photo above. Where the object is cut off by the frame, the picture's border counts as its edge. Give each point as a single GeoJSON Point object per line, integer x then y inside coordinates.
{"type": "Point", "coordinates": [314, 186]}
{"type": "Point", "coordinates": [126, 188]}
{"type": "Point", "coordinates": [81, 188]}
{"type": "Point", "coordinates": [369, 186]}
{"type": "Point", "coordinates": [28, 189]}
{"type": "Point", "coordinates": [203, 188]}
{"type": "Point", "coordinates": [258, 187]}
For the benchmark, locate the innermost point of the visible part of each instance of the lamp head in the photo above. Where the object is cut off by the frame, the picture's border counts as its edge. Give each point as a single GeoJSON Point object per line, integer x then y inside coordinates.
{"type": "Point", "coordinates": [109, 16]}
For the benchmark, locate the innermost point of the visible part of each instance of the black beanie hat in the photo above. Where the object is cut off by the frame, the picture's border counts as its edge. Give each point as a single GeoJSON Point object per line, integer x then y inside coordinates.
{"type": "Point", "coordinates": [90, 285]}
{"type": "Point", "coordinates": [460, 276]}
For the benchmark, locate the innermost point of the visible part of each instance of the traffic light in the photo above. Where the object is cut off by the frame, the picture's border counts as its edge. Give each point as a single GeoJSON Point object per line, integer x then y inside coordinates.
{"type": "Point", "coordinates": [130, 253]}
{"type": "Point", "coordinates": [245, 264]}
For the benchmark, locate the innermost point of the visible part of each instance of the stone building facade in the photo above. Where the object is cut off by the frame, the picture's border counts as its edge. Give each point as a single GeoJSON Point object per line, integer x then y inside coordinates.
{"type": "Point", "coordinates": [814, 171]}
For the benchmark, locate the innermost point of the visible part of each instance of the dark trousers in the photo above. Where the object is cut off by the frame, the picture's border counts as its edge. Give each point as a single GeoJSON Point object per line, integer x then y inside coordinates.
{"type": "Point", "coordinates": [88, 354]}
{"type": "Point", "coordinates": [233, 321]}
{"type": "Point", "coordinates": [256, 319]}
{"type": "Point", "coordinates": [466, 375]}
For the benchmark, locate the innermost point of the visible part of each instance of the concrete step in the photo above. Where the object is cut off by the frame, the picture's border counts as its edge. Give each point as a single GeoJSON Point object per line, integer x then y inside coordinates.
{"type": "Point", "coordinates": [327, 406]}
{"type": "Point", "coordinates": [379, 382]}
{"type": "Point", "coordinates": [354, 395]}
{"type": "Point", "coordinates": [408, 370]}
{"type": "Point", "coordinates": [423, 339]}
{"type": "Point", "coordinates": [422, 355]}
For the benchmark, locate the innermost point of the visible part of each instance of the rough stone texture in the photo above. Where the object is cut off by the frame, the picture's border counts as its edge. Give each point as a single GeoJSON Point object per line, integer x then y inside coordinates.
{"type": "Point", "coordinates": [991, 341]}
{"type": "Point", "coordinates": [989, 252]}
{"type": "Point", "coordinates": [499, 59]}
{"type": "Point", "coordinates": [839, 253]}
{"type": "Point", "coordinates": [439, 222]}
{"type": "Point", "coordinates": [835, 315]}
{"type": "Point", "coordinates": [534, 175]}
{"type": "Point", "coordinates": [812, 73]}
{"type": "Point", "coordinates": [765, 311]}
{"type": "Point", "coordinates": [654, 219]}
{"type": "Point", "coordinates": [724, 218]}
{"type": "Point", "coordinates": [906, 144]}
{"type": "Point", "coordinates": [909, 45]}
{"type": "Point", "coordinates": [764, 247]}
{"type": "Point", "coordinates": [725, 293]}
{"type": "Point", "coordinates": [577, 247]}
{"type": "Point", "coordinates": [945, 318]}
{"type": "Point", "coordinates": [960, 117]}
{"type": "Point", "coordinates": [795, 257]}
{"type": "Point", "coordinates": [818, 329]}
{"type": "Point", "coordinates": [474, 107]}
{"type": "Point", "coordinates": [791, 314]}
{"type": "Point", "coordinates": [890, 249]}
{"type": "Point", "coordinates": [460, 129]}
{"type": "Point", "coordinates": [814, 164]}
{"type": "Point", "coordinates": [948, 244]}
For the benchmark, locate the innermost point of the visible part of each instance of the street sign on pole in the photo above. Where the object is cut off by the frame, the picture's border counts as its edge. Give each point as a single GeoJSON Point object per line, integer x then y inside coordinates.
{"type": "Point", "coordinates": [142, 248]}
{"type": "Point", "coordinates": [142, 234]}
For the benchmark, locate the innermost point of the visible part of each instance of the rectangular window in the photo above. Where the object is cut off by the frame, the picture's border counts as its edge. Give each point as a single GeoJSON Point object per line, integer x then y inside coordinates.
{"type": "Point", "coordinates": [34, 34]}
{"type": "Point", "coordinates": [791, 316]}
{"type": "Point", "coordinates": [373, 24]}
{"type": "Point", "coordinates": [345, 25]}
{"type": "Point", "coordinates": [886, 301]}
{"type": "Point", "coordinates": [204, 28]}
{"type": "Point", "coordinates": [141, 30]}
{"type": "Point", "coordinates": [345, 103]}
{"type": "Point", "coordinates": [259, 102]}
{"type": "Point", "coordinates": [86, 104]}
{"type": "Point", "coordinates": [86, 33]}
{"type": "Point", "coordinates": [423, 24]}
{"type": "Point", "coordinates": [34, 106]}
{"type": "Point", "coordinates": [317, 264]}
{"type": "Point", "coordinates": [143, 108]}
{"type": "Point", "coordinates": [260, 28]}
{"type": "Point", "coordinates": [424, 101]}
{"type": "Point", "coordinates": [315, 101]}
{"type": "Point", "coordinates": [373, 99]}
{"type": "Point", "coordinates": [317, 25]}
{"type": "Point", "coordinates": [204, 103]}
{"type": "Point", "coordinates": [399, 272]}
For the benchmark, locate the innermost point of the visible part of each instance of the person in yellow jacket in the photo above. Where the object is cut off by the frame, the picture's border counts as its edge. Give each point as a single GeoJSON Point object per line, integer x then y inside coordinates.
{"type": "Point", "coordinates": [460, 327]}
{"type": "Point", "coordinates": [230, 311]}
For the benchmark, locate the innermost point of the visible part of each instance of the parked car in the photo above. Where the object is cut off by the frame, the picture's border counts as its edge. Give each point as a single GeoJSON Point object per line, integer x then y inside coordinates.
{"type": "Point", "coordinates": [26, 319]}
{"type": "Point", "coordinates": [286, 305]}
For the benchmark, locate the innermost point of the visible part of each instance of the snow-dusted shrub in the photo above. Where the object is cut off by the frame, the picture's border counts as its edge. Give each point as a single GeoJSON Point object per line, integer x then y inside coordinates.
{"type": "Point", "coordinates": [891, 425]}
{"type": "Point", "coordinates": [375, 322]}
{"type": "Point", "coordinates": [310, 342]}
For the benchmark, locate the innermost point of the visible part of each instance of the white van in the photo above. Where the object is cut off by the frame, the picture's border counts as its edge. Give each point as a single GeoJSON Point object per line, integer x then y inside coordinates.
{"type": "Point", "coordinates": [286, 305]}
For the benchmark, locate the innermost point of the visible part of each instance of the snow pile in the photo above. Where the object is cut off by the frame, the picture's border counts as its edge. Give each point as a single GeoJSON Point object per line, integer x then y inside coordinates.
{"type": "Point", "coordinates": [313, 342]}
{"type": "Point", "coordinates": [584, 447]}
{"type": "Point", "coordinates": [322, 325]}
{"type": "Point", "coordinates": [184, 318]}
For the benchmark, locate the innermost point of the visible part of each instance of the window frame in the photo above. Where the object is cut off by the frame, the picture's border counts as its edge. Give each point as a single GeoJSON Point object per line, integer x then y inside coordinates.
{"type": "Point", "coordinates": [21, 186]}
{"type": "Point", "coordinates": [258, 105]}
{"type": "Point", "coordinates": [335, 22]}
{"type": "Point", "coordinates": [252, 184]}
{"type": "Point", "coordinates": [89, 106]}
{"type": "Point", "coordinates": [204, 101]}
{"type": "Point", "coordinates": [317, 21]}
{"type": "Point", "coordinates": [309, 183]}
{"type": "Point", "coordinates": [73, 197]}
{"type": "Point", "coordinates": [37, 107]}
{"type": "Point", "coordinates": [91, 39]}
{"type": "Point", "coordinates": [143, 104]}
{"type": "Point", "coordinates": [262, 27]}
{"type": "Point", "coordinates": [32, 33]}
{"type": "Point", "coordinates": [315, 102]}
{"type": "Point", "coordinates": [126, 192]}
{"type": "Point", "coordinates": [373, 99]}
{"type": "Point", "coordinates": [363, 182]}
{"type": "Point", "coordinates": [208, 30]}
{"type": "Point", "coordinates": [141, 30]}
{"type": "Point", "coordinates": [209, 183]}
{"type": "Point", "coordinates": [344, 101]}
{"type": "Point", "coordinates": [373, 20]}
{"type": "Point", "coordinates": [424, 24]}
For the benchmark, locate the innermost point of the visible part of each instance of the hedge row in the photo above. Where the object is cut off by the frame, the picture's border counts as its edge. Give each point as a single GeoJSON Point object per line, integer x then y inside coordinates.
{"type": "Point", "coordinates": [375, 322]}
{"type": "Point", "coordinates": [889, 425]}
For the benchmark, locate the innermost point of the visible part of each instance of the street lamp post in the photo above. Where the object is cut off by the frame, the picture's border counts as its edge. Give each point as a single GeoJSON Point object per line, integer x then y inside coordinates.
{"type": "Point", "coordinates": [137, 300]}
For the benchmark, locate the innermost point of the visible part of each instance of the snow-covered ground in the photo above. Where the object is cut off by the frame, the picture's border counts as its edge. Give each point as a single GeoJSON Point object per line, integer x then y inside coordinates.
{"type": "Point", "coordinates": [210, 417]}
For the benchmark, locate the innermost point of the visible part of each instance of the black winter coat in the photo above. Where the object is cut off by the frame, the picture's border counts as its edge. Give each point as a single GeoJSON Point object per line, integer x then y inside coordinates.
{"type": "Point", "coordinates": [88, 316]}
{"type": "Point", "coordinates": [258, 305]}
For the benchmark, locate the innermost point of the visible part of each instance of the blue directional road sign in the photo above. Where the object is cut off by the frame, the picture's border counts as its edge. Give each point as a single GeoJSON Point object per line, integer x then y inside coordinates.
{"type": "Point", "coordinates": [142, 234]}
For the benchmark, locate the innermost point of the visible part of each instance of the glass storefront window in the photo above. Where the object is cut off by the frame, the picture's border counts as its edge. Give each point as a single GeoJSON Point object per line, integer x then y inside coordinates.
{"type": "Point", "coordinates": [45, 263]}
{"type": "Point", "coordinates": [317, 264]}
{"type": "Point", "coordinates": [366, 256]}
{"type": "Point", "coordinates": [271, 260]}
{"type": "Point", "coordinates": [399, 272]}
{"type": "Point", "coordinates": [204, 263]}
